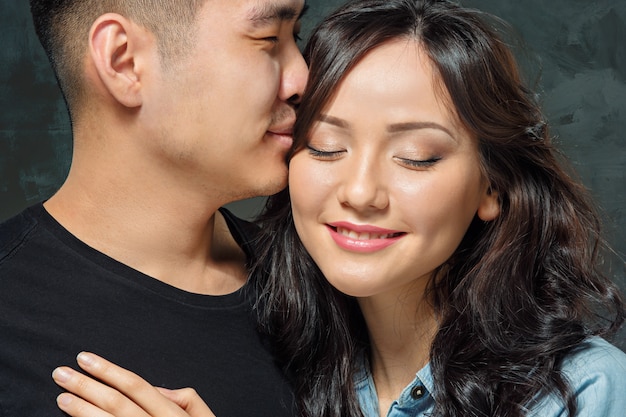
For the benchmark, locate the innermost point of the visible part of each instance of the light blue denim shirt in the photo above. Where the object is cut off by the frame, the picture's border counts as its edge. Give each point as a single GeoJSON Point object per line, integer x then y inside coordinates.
{"type": "Point", "coordinates": [596, 372]}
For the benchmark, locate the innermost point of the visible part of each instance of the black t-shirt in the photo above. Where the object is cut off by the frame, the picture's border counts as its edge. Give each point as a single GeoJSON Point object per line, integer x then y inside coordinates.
{"type": "Point", "coordinates": [59, 296]}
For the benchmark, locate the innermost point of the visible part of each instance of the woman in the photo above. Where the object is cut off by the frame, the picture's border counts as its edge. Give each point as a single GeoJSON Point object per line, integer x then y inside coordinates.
{"type": "Point", "coordinates": [425, 188]}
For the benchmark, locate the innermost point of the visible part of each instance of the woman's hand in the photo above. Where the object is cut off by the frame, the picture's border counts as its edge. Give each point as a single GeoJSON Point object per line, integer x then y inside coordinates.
{"type": "Point", "coordinates": [121, 393]}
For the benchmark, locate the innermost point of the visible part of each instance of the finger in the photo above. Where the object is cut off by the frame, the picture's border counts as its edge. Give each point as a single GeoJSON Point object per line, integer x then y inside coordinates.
{"type": "Point", "coordinates": [91, 398]}
{"type": "Point", "coordinates": [189, 400]}
{"type": "Point", "coordinates": [130, 386]}
{"type": "Point", "coordinates": [77, 407]}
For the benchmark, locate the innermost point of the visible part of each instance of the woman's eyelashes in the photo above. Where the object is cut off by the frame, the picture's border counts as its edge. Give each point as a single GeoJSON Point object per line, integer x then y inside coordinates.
{"type": "Point", "coordinates": [323, 154]}
{"type": "Point", "coordinates": [418, 163]}
{"type": "Point", "coordinates": [412, 163]}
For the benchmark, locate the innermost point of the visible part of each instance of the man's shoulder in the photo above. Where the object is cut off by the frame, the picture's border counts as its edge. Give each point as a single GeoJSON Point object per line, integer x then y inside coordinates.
{"type": "Point", "coordinates": [14, 232]}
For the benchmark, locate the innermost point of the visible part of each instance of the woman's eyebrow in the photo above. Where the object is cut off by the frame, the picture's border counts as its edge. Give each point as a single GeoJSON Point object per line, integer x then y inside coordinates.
{"type": "Point", "coordinates": [335, 121]}
{"type": "Point", "coordinates": [404, 127]}
{"type": "Point", "coordinates": [392, 128]}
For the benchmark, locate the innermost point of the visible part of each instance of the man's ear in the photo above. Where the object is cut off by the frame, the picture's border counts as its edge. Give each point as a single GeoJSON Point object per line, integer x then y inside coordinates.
{"type": "Point", "coordinates": [114, 47]}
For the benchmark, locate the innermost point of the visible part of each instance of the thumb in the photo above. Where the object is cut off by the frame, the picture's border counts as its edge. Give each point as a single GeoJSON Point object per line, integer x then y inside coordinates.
{"type": "Point", "coordinates": [189, 400]}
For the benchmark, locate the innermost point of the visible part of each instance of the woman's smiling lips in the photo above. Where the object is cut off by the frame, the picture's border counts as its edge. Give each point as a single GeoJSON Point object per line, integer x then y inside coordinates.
{"type": "Point", "coordinates": [362, 238]}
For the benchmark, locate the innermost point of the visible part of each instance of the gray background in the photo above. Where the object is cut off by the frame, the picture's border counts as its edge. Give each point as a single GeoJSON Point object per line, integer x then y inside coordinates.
{"type": "Point", "coordinates": [576, 49]}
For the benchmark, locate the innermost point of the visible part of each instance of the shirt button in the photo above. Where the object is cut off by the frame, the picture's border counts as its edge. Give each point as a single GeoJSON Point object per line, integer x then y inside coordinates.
{"type": "Point", "coordinates": [418, 392]}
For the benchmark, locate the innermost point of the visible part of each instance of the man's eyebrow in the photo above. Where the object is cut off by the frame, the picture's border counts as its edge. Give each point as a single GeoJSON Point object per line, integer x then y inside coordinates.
{"type": "Point", "coordinates": [269, 13]}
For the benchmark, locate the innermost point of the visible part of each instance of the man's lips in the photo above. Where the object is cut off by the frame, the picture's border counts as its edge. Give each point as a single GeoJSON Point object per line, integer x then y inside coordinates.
{"type": "Point", "coordinates": [283, 124]}
{"type": "Point", "coordinates": [288, 131]}
{"type": "Point", "coordinates": [280, 127]}
{"type": "Point", "coordinates": [284, 136]}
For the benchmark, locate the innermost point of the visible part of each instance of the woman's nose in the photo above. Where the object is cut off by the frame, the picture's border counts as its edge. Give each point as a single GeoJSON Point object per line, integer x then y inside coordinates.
{"type": "Point", "coordinates": [364, 187]}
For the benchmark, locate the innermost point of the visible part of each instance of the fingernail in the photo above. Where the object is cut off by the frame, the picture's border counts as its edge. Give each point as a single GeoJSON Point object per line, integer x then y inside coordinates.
{"type": "Point", "coordinates": [85, 358]}
{"type": "Point", "coordinates": [61, 375]}
{"type": "Point", "coordinates": [64, 399]}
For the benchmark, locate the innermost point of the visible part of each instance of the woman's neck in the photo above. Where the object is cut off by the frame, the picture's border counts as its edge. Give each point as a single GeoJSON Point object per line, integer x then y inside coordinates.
{"type": "Point", "coordinates": [401, 328]}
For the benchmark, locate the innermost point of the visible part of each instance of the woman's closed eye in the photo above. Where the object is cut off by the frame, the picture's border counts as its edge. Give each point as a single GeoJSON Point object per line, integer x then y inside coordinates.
{"type": "Point", "coordinates": [418, 163]}
{"type": "Point", "coordinates": [324, 153]}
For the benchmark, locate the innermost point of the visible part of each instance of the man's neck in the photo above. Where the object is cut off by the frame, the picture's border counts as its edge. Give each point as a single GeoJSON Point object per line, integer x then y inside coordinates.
{"type": "Point", "coordinates": [178, 240]}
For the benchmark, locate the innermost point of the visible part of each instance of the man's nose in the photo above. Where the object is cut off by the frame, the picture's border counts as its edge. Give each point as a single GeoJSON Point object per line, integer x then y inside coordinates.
{"type": "Point", "coordinates": [294, 76]}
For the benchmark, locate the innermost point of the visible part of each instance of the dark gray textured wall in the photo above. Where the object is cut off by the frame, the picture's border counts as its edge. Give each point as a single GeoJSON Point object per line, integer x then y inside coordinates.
{"type": "Point", "coordinates": [577, 48]}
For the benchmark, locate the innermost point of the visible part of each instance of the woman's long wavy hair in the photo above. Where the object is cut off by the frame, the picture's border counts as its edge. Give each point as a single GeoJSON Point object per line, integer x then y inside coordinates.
{"type": "Point", "coordinates": [519, 293]}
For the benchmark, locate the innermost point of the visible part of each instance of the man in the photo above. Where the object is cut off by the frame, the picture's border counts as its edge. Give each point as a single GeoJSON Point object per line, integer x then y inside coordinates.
{"type": "Point", "coordinates": [177, 108]}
